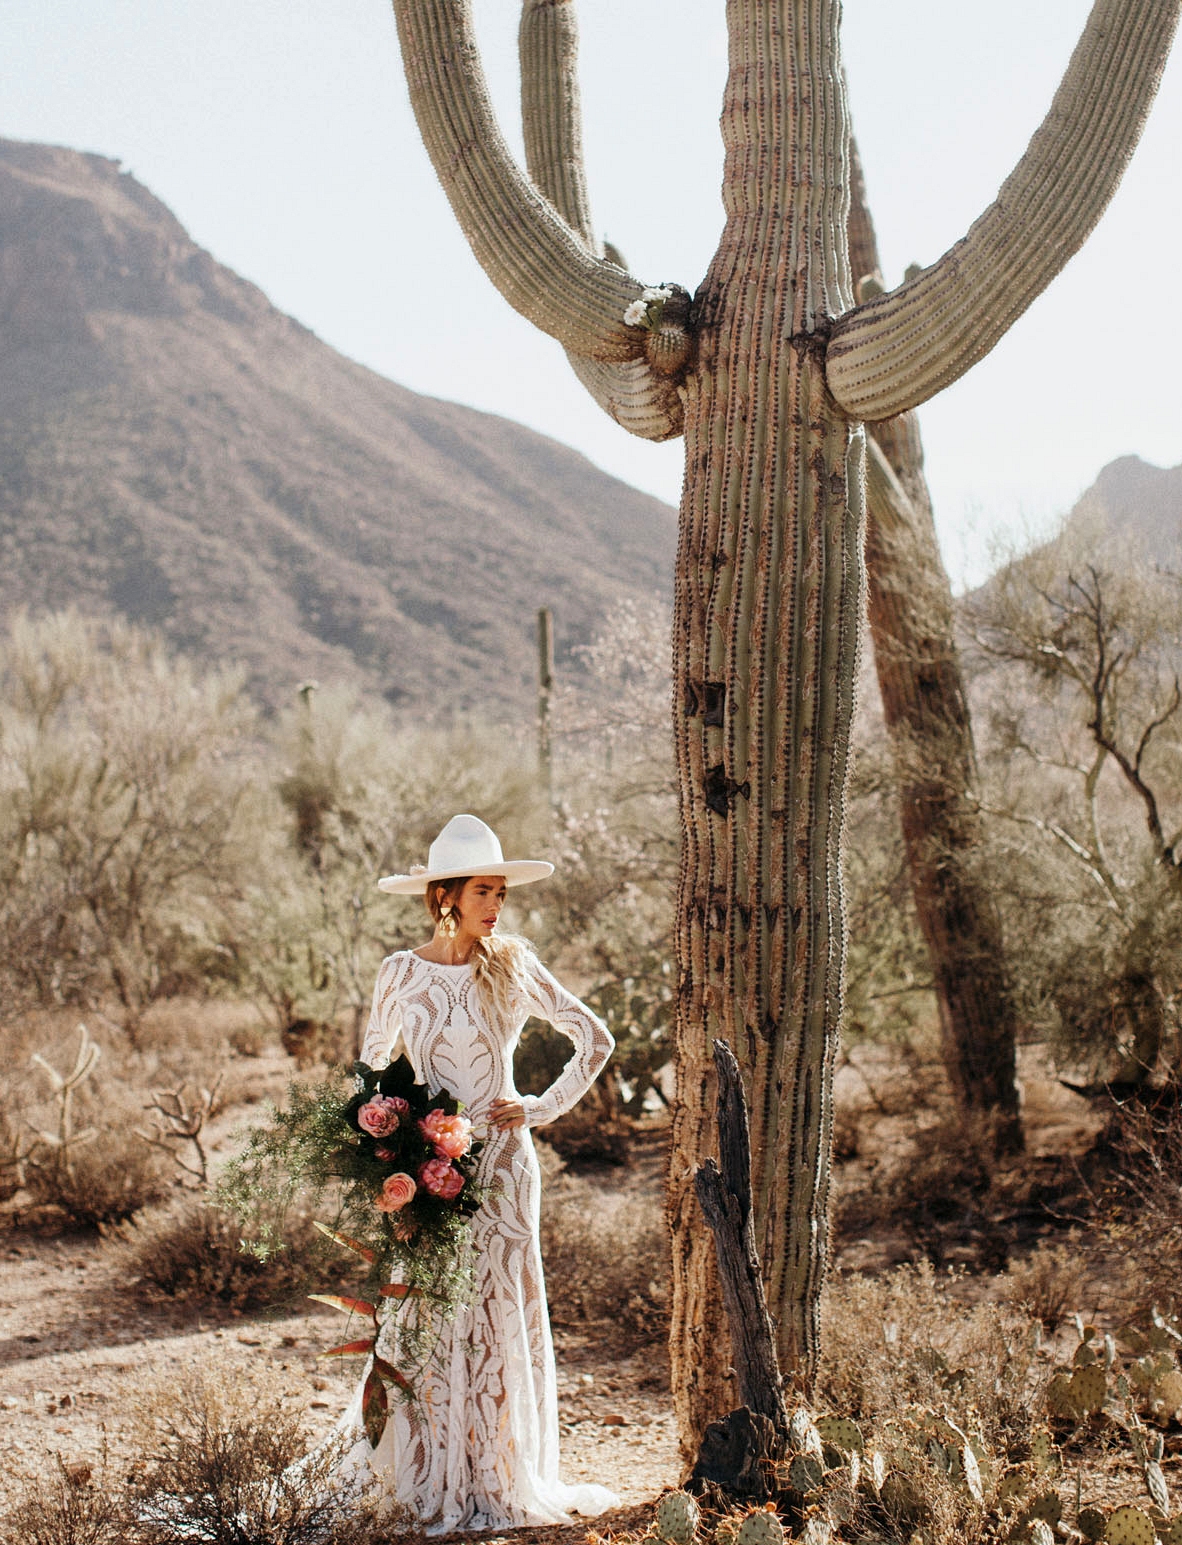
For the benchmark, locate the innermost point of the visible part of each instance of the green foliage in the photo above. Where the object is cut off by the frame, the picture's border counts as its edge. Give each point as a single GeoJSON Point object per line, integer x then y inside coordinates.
{"type": "Point", "coordinates": [128, 796]}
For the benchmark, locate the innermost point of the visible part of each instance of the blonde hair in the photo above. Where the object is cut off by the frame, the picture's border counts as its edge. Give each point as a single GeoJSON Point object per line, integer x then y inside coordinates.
{"type": "Point", "coordinates": [500, 964]}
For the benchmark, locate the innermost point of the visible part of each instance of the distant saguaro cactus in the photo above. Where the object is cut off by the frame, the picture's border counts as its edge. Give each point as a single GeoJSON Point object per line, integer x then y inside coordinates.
{"type": "Point", "coordinates": [767, 372]}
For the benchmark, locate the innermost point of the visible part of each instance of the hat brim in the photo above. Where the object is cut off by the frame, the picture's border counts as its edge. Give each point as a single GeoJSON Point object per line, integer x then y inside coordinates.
{"type": "Point", "coordinates": [518, 871]}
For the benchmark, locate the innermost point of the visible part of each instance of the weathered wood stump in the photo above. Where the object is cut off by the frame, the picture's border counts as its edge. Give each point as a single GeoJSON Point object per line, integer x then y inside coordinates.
{"type": "Point", "coordinates": [739, 1453]}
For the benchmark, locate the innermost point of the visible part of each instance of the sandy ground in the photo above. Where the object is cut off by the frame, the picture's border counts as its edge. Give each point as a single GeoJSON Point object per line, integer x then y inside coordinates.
{"type": "Point", "coordinates": [77, 1351]}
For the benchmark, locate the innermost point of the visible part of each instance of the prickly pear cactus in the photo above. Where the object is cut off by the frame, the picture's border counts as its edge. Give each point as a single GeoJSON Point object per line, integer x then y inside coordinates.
{"type": "Point", "coordinates": [1045, 1456]}
{"type": "Point", "coordinates": [805, 1473]}
{"type": "Point", "coordinates": [1092, 1522]}
{"type": "Point", "coordinates": [761, 1528]}
{"type": "Point", "coordinates": [838, 1432]}
{"type": "Point", "coordinates": [1047, 1506]}
{"type": "Point", "coordinates": [1088, 1387]}
{"type": "Point", "coordinates": [1059, 1399]}
{"type": "Point", "coordinates": [1173, 1534]}
{"type": "Point", "coordinates": [1129, 1526]}
{"type": "Point", "coordinates": [803, 1437]}
{"type": "Point", "coordinates": [1014, 1485]}
{"type": "Point", "coordinates": [677, 1518]}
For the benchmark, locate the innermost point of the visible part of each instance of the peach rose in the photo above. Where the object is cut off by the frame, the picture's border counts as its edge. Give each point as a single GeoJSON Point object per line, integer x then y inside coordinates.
{"type": "Point", "coordinates": [397, 1191]}
{"type": "Point", "coordinates": [451, 1135]}
{"type": "Point", "coordinates": [438, 1177]}
{"type": "Point", "coordinates": [382, 1115]}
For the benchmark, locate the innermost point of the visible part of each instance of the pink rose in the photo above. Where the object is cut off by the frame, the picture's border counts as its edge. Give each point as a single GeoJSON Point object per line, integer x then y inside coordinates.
{"type": "Point", "coordinates": [451, 1135]}
{"type": "Point", "coordinates": [438, 1177]}
{"type": "Point", "coordinates": [381, 1115]}
{"type": "Point", "coordinates": [397, 1191]}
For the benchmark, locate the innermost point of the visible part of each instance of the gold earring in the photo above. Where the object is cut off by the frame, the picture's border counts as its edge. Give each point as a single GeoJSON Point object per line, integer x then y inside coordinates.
{"type": "Point", "coordinates": [447, 923]}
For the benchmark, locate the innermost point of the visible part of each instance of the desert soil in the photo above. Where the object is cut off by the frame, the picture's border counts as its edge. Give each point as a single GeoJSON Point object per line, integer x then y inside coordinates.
{"type": "Point", "coordinates": [78, 1349]}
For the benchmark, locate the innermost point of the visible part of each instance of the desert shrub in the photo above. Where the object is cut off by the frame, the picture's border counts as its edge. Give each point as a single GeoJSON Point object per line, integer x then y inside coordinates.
{"type": "Point", "coordinates": [1049, 1284]}
{"type": "Point", "coordinates": [606, 1257]}
{"type": "Point", "coordinates": [68, 1505]}
{"type": "Point", "coordinates": [220, 1448]}
{"type": "Point", "coordinates": [1143, 1204]}
{"type": "Point", "coordinates": [108, 1181]}
{"type": "Point", "coordinates": [909, 1338]}
{"type": "Point", "coordinates": [128, 803]}
{"type": "Point", "coordinates": [193, 1252]}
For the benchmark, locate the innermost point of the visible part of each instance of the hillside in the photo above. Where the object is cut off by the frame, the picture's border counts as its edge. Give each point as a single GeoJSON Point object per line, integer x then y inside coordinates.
{"type": "Point", "coordinates": [175, 450]}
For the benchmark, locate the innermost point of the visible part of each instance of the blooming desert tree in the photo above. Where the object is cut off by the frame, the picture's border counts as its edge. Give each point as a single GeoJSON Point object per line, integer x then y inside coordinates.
{"type": "Point", "coordinates": [768, 371]}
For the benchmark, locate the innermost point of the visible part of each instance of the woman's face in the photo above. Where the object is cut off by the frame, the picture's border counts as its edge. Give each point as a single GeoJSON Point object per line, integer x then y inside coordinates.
{"type": "Point", "coordinates": [478, 906]}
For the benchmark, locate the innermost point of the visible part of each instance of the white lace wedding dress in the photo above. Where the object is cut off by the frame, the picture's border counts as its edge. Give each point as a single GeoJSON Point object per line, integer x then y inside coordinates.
{"type": "Point", "coordinates": [478, 1447]}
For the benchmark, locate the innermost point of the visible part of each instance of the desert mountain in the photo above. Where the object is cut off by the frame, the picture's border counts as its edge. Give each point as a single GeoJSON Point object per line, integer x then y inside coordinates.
{"type": "Point", "coordinates": [1137, 505]}
{"type": "Point", "coordinates": [175, 450]}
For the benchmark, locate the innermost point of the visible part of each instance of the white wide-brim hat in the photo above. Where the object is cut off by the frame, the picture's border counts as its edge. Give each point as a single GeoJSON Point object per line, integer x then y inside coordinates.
{"type": "Point", "coordinates": [465, 846]}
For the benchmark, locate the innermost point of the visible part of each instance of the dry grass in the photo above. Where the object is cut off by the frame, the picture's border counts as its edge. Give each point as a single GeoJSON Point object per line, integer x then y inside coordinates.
{"type": "Point", "coordinates": [606, 1254]}
{"type": "Point", "coordinates": [68, 1505]}
{"type": "Point", "coordinates": [909, 1338]}
{"type": "Point", "coordinates": [1050, 1283]}
{"type": "Point", "coordinates": [216, 1455]}
{"type": "Point", "coordinates": [192, 1252]}
{"type": "Point", "coordinates": [219, 1450]}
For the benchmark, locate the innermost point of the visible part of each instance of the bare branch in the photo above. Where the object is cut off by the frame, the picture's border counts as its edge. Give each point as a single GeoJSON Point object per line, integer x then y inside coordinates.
{"type": "Point", "coordinates": [899, 349]}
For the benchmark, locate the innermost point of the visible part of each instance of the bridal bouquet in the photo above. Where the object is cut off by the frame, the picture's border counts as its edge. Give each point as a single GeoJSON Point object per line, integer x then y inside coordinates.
{"type": "Point", "coordinates": [400, 1164]}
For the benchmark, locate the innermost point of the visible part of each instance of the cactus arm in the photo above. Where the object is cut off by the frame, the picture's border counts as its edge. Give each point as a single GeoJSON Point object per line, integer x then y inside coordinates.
{"type": "Point", "coordinates": [640, 398]}
{"type": "Point", "coordinates": [899, 349]}
{"type": "Point", "coordinates": [538, 263]}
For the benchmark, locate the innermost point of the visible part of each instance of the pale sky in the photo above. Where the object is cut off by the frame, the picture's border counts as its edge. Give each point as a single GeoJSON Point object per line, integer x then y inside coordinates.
{"type": "Point", "coordinates": [280, 136]}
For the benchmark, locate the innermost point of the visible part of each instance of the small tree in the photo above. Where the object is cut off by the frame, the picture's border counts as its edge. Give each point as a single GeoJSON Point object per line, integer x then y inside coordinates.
{"type": "Point", "coordinates": [126, 821]}
{"type": "Point", "coordinates": [1082, 656]}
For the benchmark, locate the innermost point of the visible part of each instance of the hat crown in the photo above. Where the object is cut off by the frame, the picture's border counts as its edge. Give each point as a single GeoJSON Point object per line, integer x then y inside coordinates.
{"type": "Point", "coordinates": [466, 844]}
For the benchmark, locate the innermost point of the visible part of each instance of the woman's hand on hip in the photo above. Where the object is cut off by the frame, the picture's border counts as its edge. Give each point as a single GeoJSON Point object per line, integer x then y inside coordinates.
{"type": "Point", "coordinates": [506, 1115]}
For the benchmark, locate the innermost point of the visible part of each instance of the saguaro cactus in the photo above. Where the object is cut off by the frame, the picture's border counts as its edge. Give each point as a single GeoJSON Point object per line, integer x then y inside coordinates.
{"type": "Point", "coordinates": [767, 373]}
{"type": "Point", "coordinates": [927, 717]}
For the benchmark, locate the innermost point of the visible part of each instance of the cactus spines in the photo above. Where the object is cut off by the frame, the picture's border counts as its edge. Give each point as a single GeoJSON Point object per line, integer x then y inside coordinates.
{"type": "Point", "coordinates": [1092, 1522]}
{"type": "Point", "coordinates": [677, 1518]}
{"type": "Point", "coordinates": [1047, 1506]}
{"type": "Point", "coordinates": [760, 1528]}
{"type": "Point", "coordinates": [1129, 1526]}
{"type": "Point", "coordinates": [1041, 1533]}
{"type": "Point", "coordinates": [803, 1436]}
{"type": "Point", "coordinates": [1088, 1388]}
{"type": "Point", "coordinates": [1013, 1486]}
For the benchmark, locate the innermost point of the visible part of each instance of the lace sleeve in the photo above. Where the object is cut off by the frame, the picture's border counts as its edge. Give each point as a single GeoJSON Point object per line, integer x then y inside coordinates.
{"type": "Point", "coordinates": [593, 1046]}
{"type": "Point", "coordinates": [383, 1034]}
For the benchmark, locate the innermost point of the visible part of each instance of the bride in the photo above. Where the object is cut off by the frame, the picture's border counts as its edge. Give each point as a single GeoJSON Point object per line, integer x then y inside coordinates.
{"type": "Point", "coordinates": [477, 1448]}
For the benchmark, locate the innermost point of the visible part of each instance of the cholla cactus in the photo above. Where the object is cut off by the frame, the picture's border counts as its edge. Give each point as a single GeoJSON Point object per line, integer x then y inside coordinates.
{"type": "Point", "coordinates": [768, 375]}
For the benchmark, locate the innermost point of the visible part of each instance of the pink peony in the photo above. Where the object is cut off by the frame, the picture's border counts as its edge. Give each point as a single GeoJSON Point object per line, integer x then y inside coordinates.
{"type": "Point", "coordinates": [397, 1191]}
{"type": "Point", "coordinates": [381, 1115]}
{"type": "Point", "coordinates": [438, 1177]}
{"type": "Point", "coordinates": [451, 1135]}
